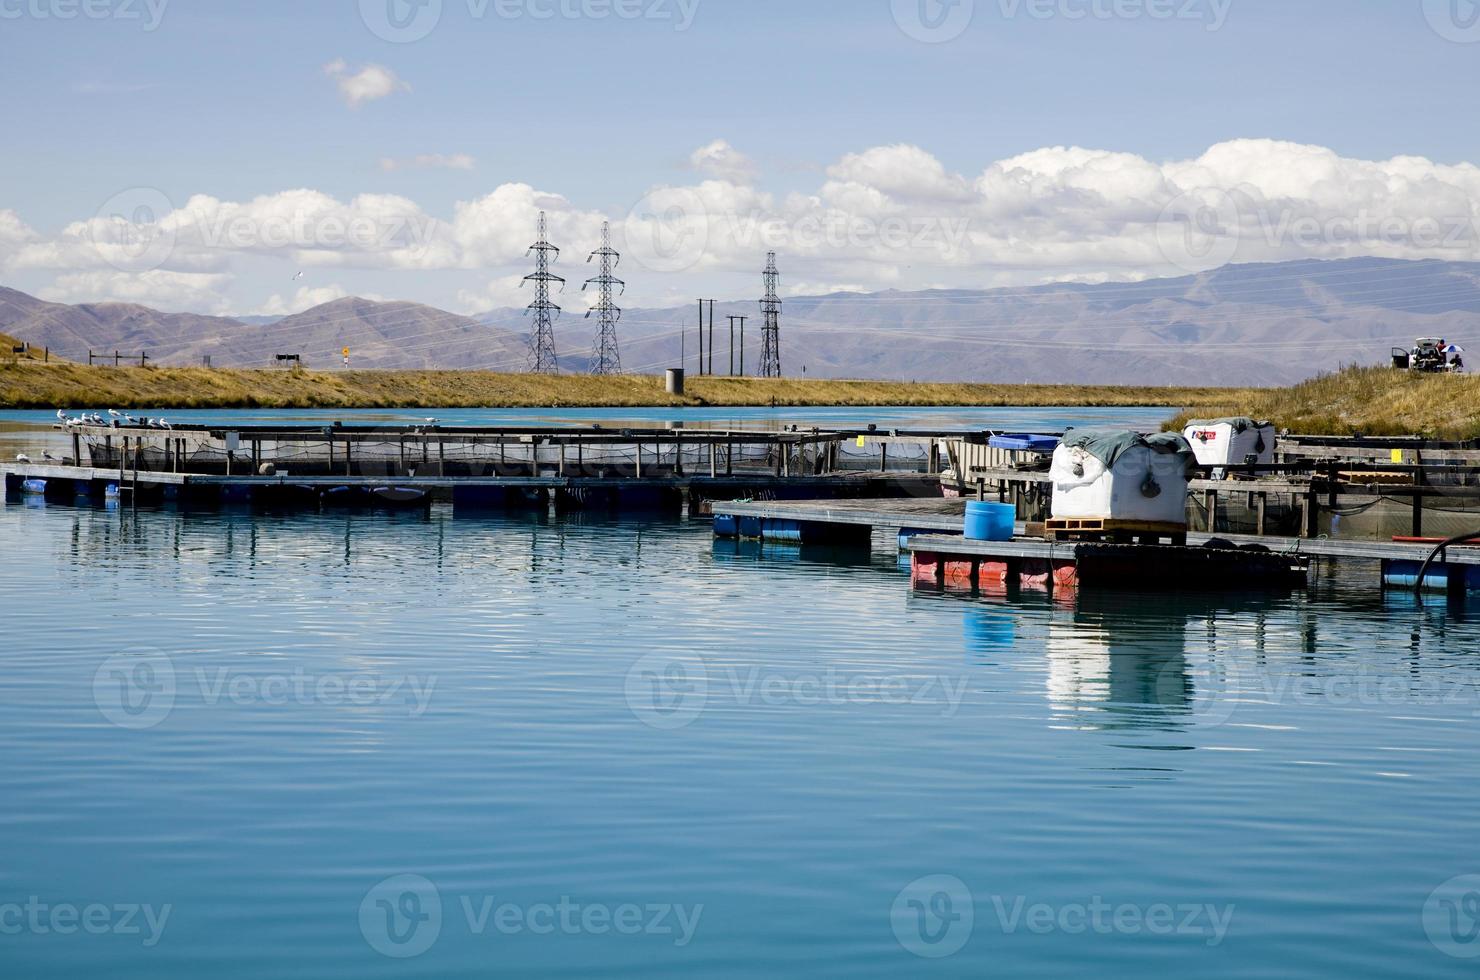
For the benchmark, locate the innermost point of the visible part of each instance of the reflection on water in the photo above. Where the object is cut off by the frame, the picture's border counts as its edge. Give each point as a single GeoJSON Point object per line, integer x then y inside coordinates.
{"type": "Point", "coordinates": [816, 737]}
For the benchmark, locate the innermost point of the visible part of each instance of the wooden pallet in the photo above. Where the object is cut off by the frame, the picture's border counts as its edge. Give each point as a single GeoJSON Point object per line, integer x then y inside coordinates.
{"type": "Point", "coordinates": [1106, 529]}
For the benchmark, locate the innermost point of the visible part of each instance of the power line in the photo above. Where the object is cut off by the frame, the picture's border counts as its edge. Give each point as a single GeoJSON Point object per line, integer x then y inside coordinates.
{"type": "Point", "coordinates": [771, 331]}
{"type": "Point", "coordinates": [542, 359]}
{"type": "Point", "coordinates": [606, 359]}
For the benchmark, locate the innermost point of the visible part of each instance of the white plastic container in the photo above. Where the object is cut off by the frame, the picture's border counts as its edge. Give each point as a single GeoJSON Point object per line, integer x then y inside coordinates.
{"type": "Point", "coordinates": [1141, 484]}
{"type": "Point", "coordinates": [1229, 442]}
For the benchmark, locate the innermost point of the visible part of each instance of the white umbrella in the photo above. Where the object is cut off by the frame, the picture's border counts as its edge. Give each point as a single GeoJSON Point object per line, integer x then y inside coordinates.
{"type": "Point", "coordinates": [1454, 349]}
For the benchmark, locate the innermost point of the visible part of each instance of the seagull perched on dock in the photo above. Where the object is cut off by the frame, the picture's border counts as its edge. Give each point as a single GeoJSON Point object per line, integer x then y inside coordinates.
{"type": "Point", "coordinates": [22, 458]}
{"type": "Point", "coordinates": [48, 456]}
{"type": "Point", "coordinates": [61, 415]}
{"type": "Point", "coordinates": [434, 421]}
{"type": "Point", "coordinates": [163, 424]}
{"type": "Point", "coordinates": [115, 413]}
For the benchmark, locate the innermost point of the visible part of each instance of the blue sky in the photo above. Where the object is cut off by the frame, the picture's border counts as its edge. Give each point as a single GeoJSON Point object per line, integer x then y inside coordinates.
{"type": "Point", "coordinates": [232, 101]}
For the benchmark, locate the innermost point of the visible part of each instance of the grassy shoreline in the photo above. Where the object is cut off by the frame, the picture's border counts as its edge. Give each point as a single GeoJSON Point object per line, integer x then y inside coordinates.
{"type": "Point", "coordinates": [45, 386]}
{"type": "Point", "coordinates": [1373, 401]}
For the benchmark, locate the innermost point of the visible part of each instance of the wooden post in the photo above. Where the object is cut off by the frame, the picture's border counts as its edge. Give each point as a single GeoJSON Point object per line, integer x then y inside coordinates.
{"type": "Point", "coordinates": [76, 449]}
{"type": "Point", "coordinates": [401, 452]}
{"type": "Point", "coordinates": [1210, 504]}
{"type": "Point", "coordinates": [442, 456]}
{"type": "Point", "coordinates": [729, 455]}
{"type": "Point", "coordinates": [561, 469]}
{"type": "Point", "coordinates": [883, 457]}
{"type": "Point", "coordinates": [1312, 515]}
{"type": "Point", "coordinates": [349, 456]}
{"type": "Point", "coordinates": [1420, 480]}
{"type": "Point", "coordinates": [639, 445]}
{"type": "Point", "coordinates": [678, 456]}
{"type": "Point", "coordinates": [1259, 508]}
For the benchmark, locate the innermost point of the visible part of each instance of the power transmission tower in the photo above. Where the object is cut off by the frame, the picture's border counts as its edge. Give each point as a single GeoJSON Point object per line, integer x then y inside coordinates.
{"type": "Point", "coordinates": [605, 359]}
{"type": "Point", "coordinates": [771, 330]}
{"type": "Point", "coordinates": [542, 342]}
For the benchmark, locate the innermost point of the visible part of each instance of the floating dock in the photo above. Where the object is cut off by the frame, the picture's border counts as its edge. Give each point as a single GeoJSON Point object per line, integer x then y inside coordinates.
{"type": "Point", "coordinates": [941, 556]}
{"type": "Point", "coordinates": [285, 467]}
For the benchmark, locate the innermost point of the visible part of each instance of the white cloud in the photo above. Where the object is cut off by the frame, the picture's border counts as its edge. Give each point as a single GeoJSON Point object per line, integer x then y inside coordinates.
{"type": "Point", "coordinates": [720, 159]}
{"type": "Point", "coordinates": [890, 216]}
{"type": "Point", "coordinates": [500, 292]}
{"type": "Point", "coordinates": [429, 161]}
{"type": "Point", "coordinates": [306, 298]}
{"type": "Point", "coordinates": [176, 291]}
{"type": "Point", "coordinates": [14, 233]}
{"type": "Point", "coordinates": [369, 83]}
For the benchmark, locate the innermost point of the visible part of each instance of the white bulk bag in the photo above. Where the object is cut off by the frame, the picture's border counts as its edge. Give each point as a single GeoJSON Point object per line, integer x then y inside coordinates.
{"type": "Point", "coordinates": [1144, 480]}
{"type": "Point", "coordinates": [1227, 442]}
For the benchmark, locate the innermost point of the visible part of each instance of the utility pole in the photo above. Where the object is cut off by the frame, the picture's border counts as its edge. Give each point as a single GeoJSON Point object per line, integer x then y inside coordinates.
{"type": "Point", "coordinates": [701, 338]}
{"type": "Point", "coordinates": [771, 330]}
{"type": "Point", "coordinates": [606, 359]}
{"type": "Point", "coordinates": [711, 336]}
{"type": "Point", "coordinates": [542, 342]}
{"type": "Point", "coordinates": [742, 345]}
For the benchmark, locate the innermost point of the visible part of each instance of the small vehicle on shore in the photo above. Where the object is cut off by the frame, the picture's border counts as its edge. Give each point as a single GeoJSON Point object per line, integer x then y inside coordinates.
{"type": "Point", "coordinates": [1430, 355]}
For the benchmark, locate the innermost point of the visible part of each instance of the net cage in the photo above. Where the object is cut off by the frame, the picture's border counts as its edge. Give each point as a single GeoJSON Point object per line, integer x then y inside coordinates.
{"type": "Point", "coordinates": [403, 454]}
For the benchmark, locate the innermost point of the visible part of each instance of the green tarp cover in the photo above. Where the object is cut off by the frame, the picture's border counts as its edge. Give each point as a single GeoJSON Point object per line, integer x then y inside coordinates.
{"type": "Point", "coordinates": [1108, 445]}
{"type": "Point", "coordinates": [1240, 425]}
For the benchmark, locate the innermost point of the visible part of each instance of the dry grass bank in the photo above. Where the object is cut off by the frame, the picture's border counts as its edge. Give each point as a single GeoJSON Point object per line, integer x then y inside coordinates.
{"type": "Point", "coordinates": [33, 385]}
{"type": "Point", "coordinates": [1374, 401]}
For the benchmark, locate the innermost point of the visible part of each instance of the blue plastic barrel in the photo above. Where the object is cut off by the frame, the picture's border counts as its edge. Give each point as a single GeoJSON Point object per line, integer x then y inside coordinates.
{"type": "Point", "coordinates": [1025, 443]}
{"type": "Point", "coordinates": [990, 522]}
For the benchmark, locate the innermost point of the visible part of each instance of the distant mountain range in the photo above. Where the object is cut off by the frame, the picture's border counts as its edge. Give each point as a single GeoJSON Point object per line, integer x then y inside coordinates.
{"type": "Point", "coordinates": [1246, 324]}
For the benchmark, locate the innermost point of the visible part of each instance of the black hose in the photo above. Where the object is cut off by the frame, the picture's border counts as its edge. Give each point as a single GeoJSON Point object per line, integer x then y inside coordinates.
{"type": "Point", "coordinates": [1423, 569]}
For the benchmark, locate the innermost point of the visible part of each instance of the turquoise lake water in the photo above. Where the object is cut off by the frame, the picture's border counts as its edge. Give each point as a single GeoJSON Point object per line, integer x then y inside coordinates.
{"type": "Point", "coordinates": [311, 746]}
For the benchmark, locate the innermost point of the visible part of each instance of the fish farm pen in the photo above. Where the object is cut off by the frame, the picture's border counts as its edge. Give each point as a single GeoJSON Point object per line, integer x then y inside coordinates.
{"type": "Point", "coordinates": [479, 467]}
